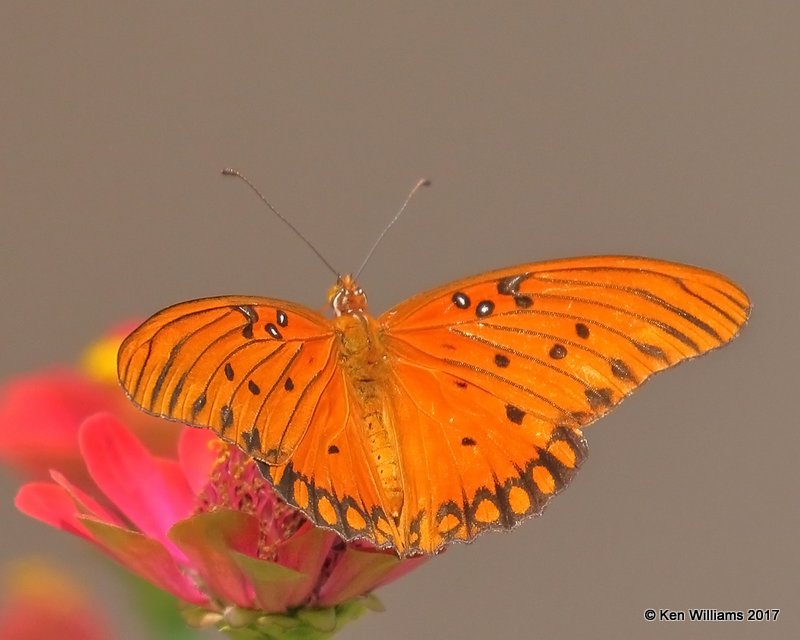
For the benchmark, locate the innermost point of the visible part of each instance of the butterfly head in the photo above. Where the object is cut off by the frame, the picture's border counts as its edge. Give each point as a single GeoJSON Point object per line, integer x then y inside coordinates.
{"type": "Point", "coordinates": [346, 297]}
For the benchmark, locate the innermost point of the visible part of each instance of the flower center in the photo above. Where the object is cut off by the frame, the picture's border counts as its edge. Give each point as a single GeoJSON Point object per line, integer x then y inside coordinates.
{"type": "Point", "coordinates": [236, 483]}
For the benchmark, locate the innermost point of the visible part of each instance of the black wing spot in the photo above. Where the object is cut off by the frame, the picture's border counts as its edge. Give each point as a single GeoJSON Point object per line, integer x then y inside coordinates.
{"type": "Point", "coordinates": [251, 316]}
{"type": "Point", "coordinates": [501, 360]}
{"type": "Point", "coordinates": [523, 301]}
{"type": "Point", "coordinates": [287, 481]}
{"type": "Point", "coordinates": [252, 440]}
{"type": "Point", "coordinates": [484, 308]}
{"type": "Point", "coordinates": [228, 371]}
{"type": "Point", "coordinates": [176, 394]}
{"type": "Point", "coordinates": [450, 509]}
{"type": "Point", "coordinates": [379, 520]}
{"type": "Point", "coordinates": [653, 351]}
{"type": "Point", "coordinates": [461, 300]}
{"type": "Point", "coordinates": [288, 384]}
{"type": "Point", "coordinates": [254, 388]}
{"type": "Point", "coordinates": [575, 441]}
{"type": "Point", "coordinates": [561, 475]}
{"type": "Point", "coordinates": [333, 449]}
{"type": "Point", "coordinates": [599, 398]}
{"type": "Point", "coordinates": [558, 352]}
{"type": "Point", "coordinates": [515, 414]}
{"type": "Point", "coordinates": [164, 370]}
{"type": "Point", "coordinates": [508, 517]}
{"type": "Point", "coordinates": [468, 442]}
{"type": "Point", "coordinates": [582, 330]}
{"type": "Point", "coordinates": [675, 333]}
{"type": "Point", "coordinates": [263, 469]}
{"type": "Point", "coordinates": [416, 526]}
{"type": "Point", "coordinates": [581, 417]}
{"type": "Point", "coordinates": [273, 331]}
{"type": "Point", "coordinates": [281, 318]}
{"type": "Point", "coordinates": [509, 286]}
{"type": "Point", "coordinates": [226, 415]}
{"type": "Point", "coordinates": [621, 370]}
{"type": "Point", "coordinates": [197, 405]}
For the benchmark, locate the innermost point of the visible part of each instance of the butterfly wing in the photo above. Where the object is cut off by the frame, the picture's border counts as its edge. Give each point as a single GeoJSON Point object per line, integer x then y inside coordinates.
{"type": "Point", "coordinates": [331, 476]}
{"type": "Point", "coordinates": [252, 369]}
{"type": "Point", "coordinates": [496, 375]}
{"type": "Point", "coordinates": [264, 374]}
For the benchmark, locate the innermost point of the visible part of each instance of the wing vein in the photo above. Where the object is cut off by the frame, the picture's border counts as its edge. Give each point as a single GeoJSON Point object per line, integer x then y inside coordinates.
{"type": "Point", "coordinates": [650, 297]}
{"type": "Point", "coordinates": [173, 354]}
{"type": "Point", "coordinates": [526, 356]}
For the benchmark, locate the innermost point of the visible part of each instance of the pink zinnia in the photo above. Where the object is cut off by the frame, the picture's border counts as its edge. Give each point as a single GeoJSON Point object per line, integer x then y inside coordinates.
{"type": "Point", "coordinates": [204, 525]}
{"type": "Point", "coordinates": [41, 413]}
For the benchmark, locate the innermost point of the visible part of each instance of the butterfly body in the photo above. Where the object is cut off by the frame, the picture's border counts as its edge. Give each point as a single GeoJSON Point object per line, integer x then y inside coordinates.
{"type": "Point", "coordinates": [457, 412]}
{"type": "Point", "coordinates": [366, 369]}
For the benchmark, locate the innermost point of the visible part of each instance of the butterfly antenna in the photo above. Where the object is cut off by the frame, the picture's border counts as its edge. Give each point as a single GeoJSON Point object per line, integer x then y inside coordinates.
{"type": "Point", "coordinates": [424, 182]}
{"type": "Point", "coordinates": [233, 172]}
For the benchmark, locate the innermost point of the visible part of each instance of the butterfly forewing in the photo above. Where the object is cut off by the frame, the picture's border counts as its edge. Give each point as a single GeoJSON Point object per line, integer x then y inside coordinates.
{"type": "Point", "coordinates": [252, 369]}
{"type": "Point", "coordinates": [615, 315]}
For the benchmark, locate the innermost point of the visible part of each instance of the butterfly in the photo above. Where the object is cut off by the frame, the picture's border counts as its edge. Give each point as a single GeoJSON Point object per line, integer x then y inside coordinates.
{"type": "Point", "coordinates": [456, 412]}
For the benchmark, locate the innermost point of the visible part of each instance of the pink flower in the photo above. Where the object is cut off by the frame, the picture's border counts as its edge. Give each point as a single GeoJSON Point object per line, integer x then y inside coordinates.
{"type": "Point", "coordinates": [204, 525]}
{"type": "Point", "coordinates": [39, 601]}
{"type": "Point", "coordinates": [40, 414]}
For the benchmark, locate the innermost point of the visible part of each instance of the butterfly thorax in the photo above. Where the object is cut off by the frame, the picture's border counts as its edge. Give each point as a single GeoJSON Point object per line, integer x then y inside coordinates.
{"type": "Point", "coordinates": [346, 297]}
{"type": "Point", "coordinates": [364, 362]}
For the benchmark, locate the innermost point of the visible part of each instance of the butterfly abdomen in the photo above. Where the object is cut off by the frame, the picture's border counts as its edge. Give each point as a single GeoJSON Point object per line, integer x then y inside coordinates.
{"type": "Point", "coordinates": [363, 359]}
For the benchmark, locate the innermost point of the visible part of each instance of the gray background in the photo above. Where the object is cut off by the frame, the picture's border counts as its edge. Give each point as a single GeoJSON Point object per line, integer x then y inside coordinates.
{"type": "Point", "coordinates": [550, 130]}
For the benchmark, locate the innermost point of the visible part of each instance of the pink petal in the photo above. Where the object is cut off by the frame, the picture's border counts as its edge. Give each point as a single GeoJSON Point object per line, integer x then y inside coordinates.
{"type": "Point", "coordinates": [145, 557]}
{"type": "Point", "coordinates": [85, 503]}
{"type": "Point", "coordinates": [209, 540]}
{"type": "Point", "coordinates": [179, 494]}
{"type": "Point", "coordinates": [306, 552]}
{"type": "Point", "coordinates": [130, 477]}
{"type": "Point", "coordinates": [39, 419]}
{"type": "Point", "coordinates": [357, 573]}
{"type": "Point", "coordinates": [197, 455]}
{"type": "Point", "coordinates": [401, 569]}
{"type": "Point", "coordinates": [52, 505]}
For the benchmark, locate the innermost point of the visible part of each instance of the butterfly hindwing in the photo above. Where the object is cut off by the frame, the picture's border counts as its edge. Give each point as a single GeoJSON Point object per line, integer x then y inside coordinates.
{"type": "Point", "coordinates": [331, 475]}
{"type": "Point", "coordinates": [471, 465]}
{"type": "Point", "coordinates": [252, 369]}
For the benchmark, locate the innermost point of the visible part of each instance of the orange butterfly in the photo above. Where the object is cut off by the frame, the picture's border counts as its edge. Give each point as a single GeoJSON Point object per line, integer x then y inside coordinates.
{"type": "Point", "coordinates": [456, 412]}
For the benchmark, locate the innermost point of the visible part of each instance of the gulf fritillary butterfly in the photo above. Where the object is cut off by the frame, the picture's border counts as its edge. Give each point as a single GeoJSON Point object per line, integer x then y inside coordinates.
{"type": "Point", "coordinates": [456, 412]}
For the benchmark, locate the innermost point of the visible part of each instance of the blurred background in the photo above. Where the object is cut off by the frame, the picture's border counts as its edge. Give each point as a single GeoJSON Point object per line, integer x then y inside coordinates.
{"type": "Point", "coordinates": [549, 130]}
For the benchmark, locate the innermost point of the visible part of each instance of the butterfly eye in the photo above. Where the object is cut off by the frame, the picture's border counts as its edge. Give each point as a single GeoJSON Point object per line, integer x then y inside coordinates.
{"type": "Point", "coordinates": [339, 301]}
